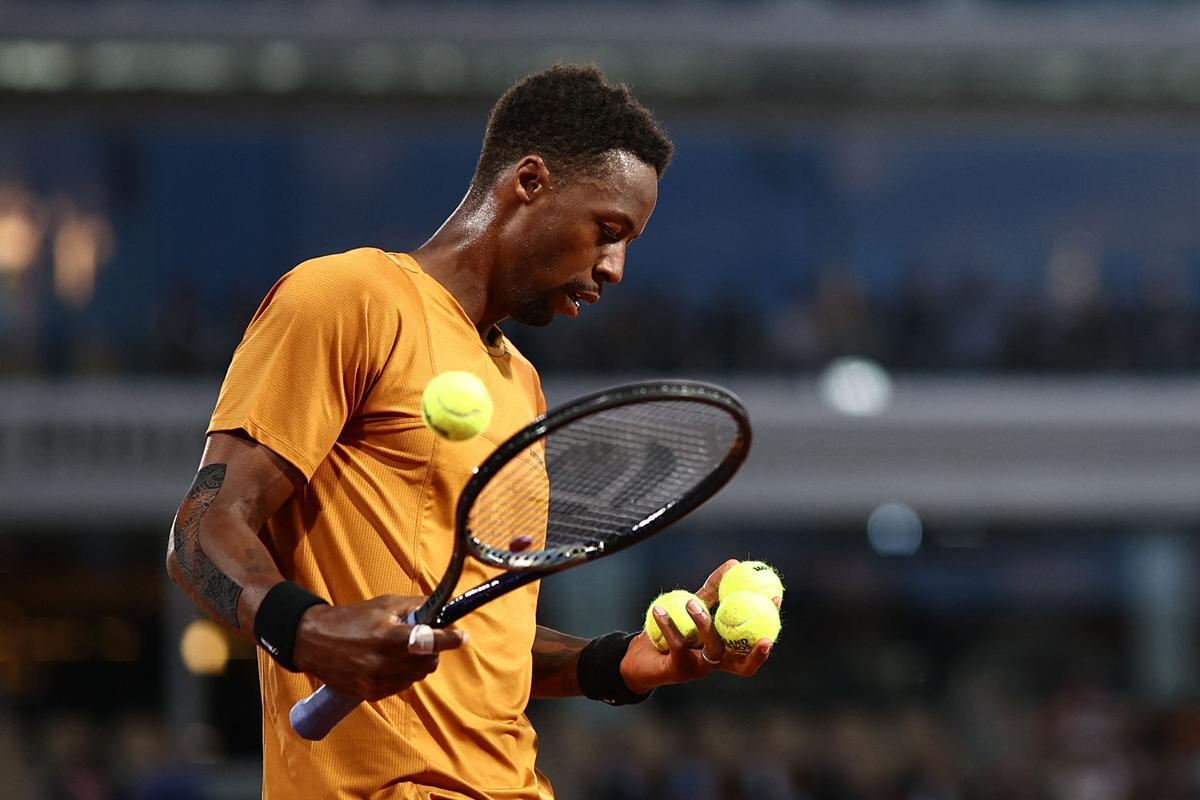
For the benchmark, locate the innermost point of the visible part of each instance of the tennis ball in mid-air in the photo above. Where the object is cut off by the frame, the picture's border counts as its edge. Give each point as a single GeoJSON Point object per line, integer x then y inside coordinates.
{"type": "Point", "coordinates": [456, 405]}
{"type": "Point", "coordinates": [743, 618]}
{"type": "Point", "coordinates": [675, 602]}
{"type": "Point", "coordinates": [751, 576]}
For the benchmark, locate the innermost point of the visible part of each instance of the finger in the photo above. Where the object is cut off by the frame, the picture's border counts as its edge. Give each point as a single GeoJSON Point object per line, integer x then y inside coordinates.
{"type": "Point", "coordinates": [400, 605]}
{"type": "Point", "coordinates": [411, 668]}
{"type": "Point", "coordinates": [423, 639]}
{"type": "Point", "coordinates": [448, 639]}
{"type": "Point", "coordinates": [424, 665]}
{"type": "Point", "coordinates": [710, 590]}
{"type": "Point", "coordinates": [400, 640]}
{"type": "Point", "coordinates": [398, 676]}
{"type": "Point", "coordinates": [710, 641]}
{"type": "Point", "coordinates": [420, 640]}
{"type": "Point", "coordinates": [778, 601]}
{"type": "Point", "coordinates": [396, 640]}
{"type": "Point", "coordinates": [750, 663]}
{"type": "Point", "coordinates": [675, 639]}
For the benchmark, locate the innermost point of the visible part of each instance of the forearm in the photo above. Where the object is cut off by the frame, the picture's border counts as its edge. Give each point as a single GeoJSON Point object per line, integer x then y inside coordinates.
{"type": "Point", "coordinates": [216, 557]}
{"type": "Point", "coordinates": [555, 663]}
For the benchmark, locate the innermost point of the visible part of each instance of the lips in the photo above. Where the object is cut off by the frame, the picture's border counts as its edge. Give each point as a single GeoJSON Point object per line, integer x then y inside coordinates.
{"type": "Point", "coordinates": [575, 300]}
{"type": "Point", "coordinates": [569, 305]}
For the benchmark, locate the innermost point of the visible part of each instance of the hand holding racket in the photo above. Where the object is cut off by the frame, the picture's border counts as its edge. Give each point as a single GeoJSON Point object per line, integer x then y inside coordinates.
{"type": "Point", "coordinates": [360, 648]}
{"type": "Point", "coordinates": [586, 480]}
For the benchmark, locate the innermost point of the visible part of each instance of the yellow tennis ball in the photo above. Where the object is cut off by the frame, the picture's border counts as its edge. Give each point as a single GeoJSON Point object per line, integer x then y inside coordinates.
{"type": "Point", "coordinates": [751, 576]}
{"type": "Point", "coordinates": [743, 618]}
{"type": "Point", "coordinates": [456, 405]}
{"type": "Point", "coordinates": [675, 602]}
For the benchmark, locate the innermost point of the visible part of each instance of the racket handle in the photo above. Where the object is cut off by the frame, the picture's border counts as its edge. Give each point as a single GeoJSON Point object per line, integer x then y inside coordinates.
{"type": "Point", "coordinates": [316, 715]}
{"type": "Point", "coordinates": [319, 713]}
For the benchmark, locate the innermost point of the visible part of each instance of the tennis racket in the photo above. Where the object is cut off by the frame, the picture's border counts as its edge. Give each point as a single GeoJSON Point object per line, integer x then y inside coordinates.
{"type": "Point", "coordinates": [586, 480]}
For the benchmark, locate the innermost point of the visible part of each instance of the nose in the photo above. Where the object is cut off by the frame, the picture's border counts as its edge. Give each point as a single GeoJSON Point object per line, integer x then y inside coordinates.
{"type": "Point", "coordinates": [611, 267]}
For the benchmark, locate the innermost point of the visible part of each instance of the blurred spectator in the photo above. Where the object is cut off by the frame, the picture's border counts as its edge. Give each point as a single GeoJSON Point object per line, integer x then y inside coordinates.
{"type": "Point", "coordinates": [150, 769]}
{"type": "Point", "coordinates": [15, 774]}
{"type": "Point", "coordinates": [963, 322]}
{"type": "Point", "coordinates": [76, 767]}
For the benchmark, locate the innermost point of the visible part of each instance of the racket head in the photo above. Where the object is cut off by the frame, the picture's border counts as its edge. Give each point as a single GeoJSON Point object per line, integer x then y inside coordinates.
{"type": "Point", "coordinates": [521, 483]}
{"type": "Point", "coordinates": [601, 474]}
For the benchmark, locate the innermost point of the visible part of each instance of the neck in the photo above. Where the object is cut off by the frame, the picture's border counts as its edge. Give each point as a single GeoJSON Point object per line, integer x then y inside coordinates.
{"type": "Point", "coordinates": [461, 257]}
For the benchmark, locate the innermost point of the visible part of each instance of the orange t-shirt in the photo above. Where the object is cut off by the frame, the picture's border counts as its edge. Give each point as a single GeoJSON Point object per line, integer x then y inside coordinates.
{"type": "Point", "coordinates": [329, 375]}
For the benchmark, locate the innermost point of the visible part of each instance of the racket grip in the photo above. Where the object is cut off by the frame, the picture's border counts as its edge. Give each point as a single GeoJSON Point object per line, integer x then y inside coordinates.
{"type": "Point", "coordinates": [319, 713]}
{"type": "Point", "coordinates": [316, 715]}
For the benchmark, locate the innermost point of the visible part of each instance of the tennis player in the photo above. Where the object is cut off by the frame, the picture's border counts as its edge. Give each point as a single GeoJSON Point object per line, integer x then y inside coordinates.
{"type": "Point", "coordinates": [323, 508]}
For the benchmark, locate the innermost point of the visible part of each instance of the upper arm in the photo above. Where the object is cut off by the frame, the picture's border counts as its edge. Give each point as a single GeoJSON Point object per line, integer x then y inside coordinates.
{"type": "Point", "coordinates": [257, 480]}
{"type": "Point", "coordinates": [214, 553]}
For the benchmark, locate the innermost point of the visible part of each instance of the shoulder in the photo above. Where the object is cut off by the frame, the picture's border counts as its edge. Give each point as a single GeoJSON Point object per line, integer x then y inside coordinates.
{"type": "Point", "coordinates": [349, 297]}
{"type": "Point", "coordinates": [366, 272]}
{"type": "Point", "coordinates": [366, 285]}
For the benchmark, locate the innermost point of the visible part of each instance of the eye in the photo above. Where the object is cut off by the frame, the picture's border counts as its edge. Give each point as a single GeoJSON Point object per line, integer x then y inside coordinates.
{"type": "Point", "coordinates": [610, 232]}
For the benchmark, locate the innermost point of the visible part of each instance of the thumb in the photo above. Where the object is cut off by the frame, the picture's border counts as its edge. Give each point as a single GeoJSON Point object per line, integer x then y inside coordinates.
{"type": "Point", "coordinates": [709, 591]}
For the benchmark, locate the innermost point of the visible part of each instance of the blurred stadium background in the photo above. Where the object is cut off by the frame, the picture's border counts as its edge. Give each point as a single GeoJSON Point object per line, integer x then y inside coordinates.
{"type": "Point", "coordinates": [947, 250]}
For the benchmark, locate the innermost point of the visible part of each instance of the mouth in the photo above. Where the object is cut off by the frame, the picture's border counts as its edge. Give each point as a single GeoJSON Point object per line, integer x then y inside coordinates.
{"type": "Point", "coordinates": [576, 299]}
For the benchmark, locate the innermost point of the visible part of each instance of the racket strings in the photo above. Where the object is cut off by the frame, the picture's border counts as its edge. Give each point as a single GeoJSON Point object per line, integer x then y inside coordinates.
{"type": "Point", "coordinates": [600, 477]}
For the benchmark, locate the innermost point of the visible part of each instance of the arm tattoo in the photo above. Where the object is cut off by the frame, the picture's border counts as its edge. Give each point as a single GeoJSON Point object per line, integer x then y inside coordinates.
{"type": "Point", "coordinates": [555, 656]}
{"type": "Point", "coordinates": [211, 584]}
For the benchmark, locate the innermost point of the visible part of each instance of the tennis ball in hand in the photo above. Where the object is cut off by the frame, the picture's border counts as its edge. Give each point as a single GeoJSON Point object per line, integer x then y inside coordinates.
{"type": "Point", "coordinates": [675, 602]}
{"type": "Point", "coordinates": [456, 405]}
{"type": "Point", "coordinates": [745, 617]}
{"type": "Point", "coordinates": [751, 576]}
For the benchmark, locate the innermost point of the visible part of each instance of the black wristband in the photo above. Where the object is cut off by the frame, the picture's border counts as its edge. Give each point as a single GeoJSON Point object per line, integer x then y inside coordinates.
{"type": "Point", "coordinates": [278, 618]}
{"type": "Point", "coordinates": [599, 670]}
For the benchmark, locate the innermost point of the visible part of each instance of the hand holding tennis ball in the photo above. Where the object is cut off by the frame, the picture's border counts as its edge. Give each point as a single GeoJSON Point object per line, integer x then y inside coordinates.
{"type": "Point", "coordinates": [752, 576]}
{"type": "Point", "coordinates": [744, 619]}
{"type": "Point", "coordinates": [456, 405]}
{"type": "Point", "coordinates": [675, 604]}
{"type": "Point", "coordinates": [650, 663]}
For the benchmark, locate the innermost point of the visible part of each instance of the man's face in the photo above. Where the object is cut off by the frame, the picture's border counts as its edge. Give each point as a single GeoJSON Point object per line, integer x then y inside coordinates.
{"type": "Point", "coordinates": [569, 242]}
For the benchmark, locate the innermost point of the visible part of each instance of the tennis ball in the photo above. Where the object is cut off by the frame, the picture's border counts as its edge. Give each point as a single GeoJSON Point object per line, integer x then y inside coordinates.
{"type": "Point", "coordinates": [745, 617]}
{"type": "Point", "coordinates": [456, 405]}
{"type": "Point", "coordinates": [751, 576]}
{"type": "Point", "coordinates": [675, 602]}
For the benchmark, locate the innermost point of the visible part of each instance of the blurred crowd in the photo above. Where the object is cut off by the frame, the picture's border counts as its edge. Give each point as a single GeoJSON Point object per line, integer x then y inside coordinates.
{"type": "Point", "coordinates": [1071, 322]}
{"type": "Point", "coordinates": [76, 756]}
{"type": "Point", "coordinates": [1083, 743]}
{"type": "Point", "coordinates": [939, 247]}
{"type": "Point", "coordinates": [955, 322]}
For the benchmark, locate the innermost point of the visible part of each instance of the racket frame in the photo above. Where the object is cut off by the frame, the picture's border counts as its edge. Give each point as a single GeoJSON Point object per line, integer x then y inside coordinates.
{"type": "Point", "coordinates": [439, 610]}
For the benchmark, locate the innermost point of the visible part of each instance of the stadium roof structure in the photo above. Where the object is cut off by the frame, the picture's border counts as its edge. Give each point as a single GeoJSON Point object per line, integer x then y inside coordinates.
{"type": "Point", "coordinates": [911, 54]}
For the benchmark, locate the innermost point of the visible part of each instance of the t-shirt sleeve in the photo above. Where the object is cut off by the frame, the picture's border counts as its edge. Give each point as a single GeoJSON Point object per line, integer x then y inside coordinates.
{"type": "Point", "coordinates": [311, 353]}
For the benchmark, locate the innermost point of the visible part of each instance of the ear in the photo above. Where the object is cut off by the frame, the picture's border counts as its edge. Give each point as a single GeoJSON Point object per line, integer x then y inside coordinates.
{"type": "Point", "coordinates": [531, 178]}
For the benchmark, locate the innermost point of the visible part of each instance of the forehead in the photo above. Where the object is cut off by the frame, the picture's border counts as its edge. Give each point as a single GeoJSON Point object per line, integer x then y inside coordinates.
{"type": "Point", "coordinates": [621, 182]}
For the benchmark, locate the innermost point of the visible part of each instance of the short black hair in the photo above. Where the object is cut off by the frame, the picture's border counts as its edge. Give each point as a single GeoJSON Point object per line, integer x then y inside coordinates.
{"type": "Point", "coordinates": [571, 116]}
